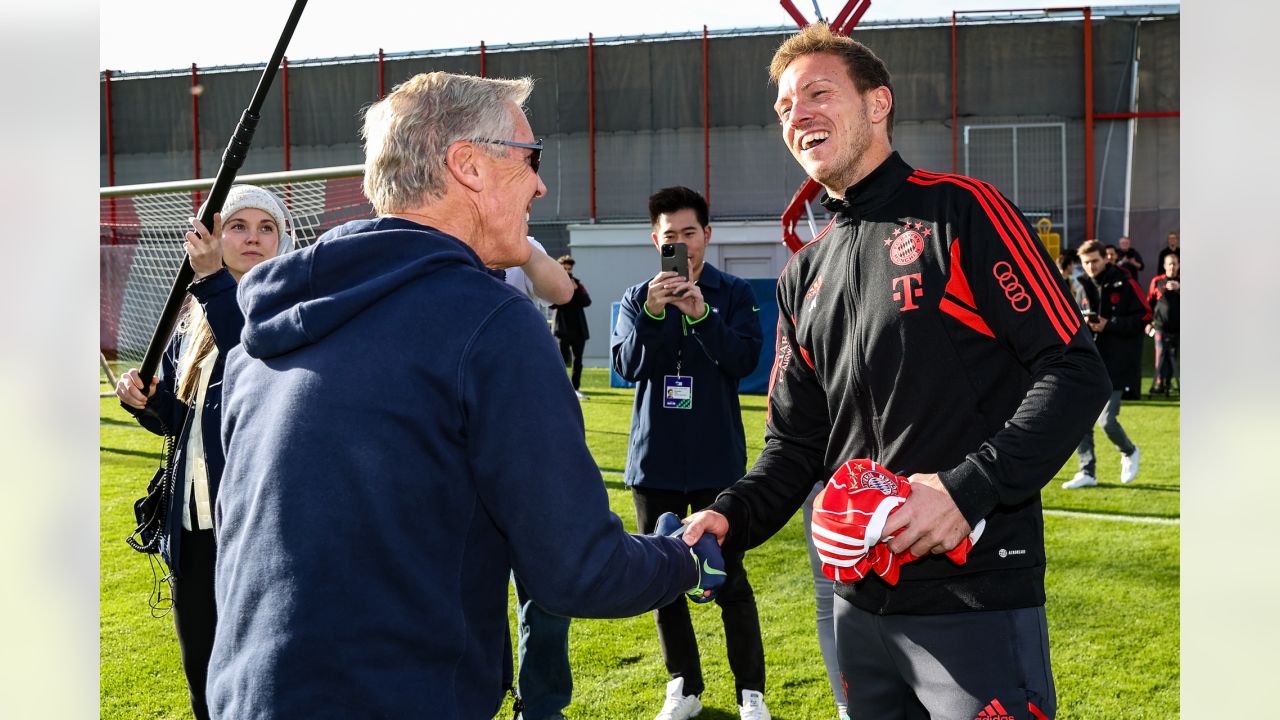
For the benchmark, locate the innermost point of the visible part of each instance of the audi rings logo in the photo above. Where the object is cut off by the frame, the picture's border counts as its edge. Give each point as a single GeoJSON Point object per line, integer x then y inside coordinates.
{"type": "Point", "coordinates": [1012, 286]}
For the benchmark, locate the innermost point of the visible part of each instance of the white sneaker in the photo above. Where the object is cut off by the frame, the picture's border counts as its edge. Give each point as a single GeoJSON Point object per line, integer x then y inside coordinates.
{"type": "Point", "coordinates": [753, 707]}
{"type": "Point", "coordinates": [1129, 466]}
{"type": "Point", "coordinates": [679, 706]}
{"type": "Point", "coordinates": [581, 395]}
{"type": "Point", "coordinates": [1081, 480]}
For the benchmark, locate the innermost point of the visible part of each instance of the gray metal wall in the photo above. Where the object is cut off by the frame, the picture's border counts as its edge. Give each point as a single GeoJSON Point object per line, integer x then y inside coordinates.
{"type": "Point", "coordinates": [649, 116]}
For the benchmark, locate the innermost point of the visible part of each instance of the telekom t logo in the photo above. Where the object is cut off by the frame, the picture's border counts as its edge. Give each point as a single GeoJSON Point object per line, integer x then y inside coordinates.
{"type": "Point", "coordinates": [910, 291]}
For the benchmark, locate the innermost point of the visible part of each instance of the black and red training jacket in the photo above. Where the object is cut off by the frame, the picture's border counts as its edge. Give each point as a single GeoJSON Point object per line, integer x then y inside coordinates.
{"type": "Point", "coordinates": [928, 329]}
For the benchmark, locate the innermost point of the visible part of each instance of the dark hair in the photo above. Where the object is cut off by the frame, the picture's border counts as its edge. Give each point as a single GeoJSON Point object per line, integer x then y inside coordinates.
{"type": "Point", "coordinates": [677, 198]}
{"type": "Point", "coordinates": [867, 71]}
{"type": "Point", "coordinates": [1066, 260]}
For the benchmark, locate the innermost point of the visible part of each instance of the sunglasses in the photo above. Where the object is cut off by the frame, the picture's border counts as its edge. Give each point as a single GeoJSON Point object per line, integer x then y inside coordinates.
{"type": "Point", "coordinates": [535, 157]}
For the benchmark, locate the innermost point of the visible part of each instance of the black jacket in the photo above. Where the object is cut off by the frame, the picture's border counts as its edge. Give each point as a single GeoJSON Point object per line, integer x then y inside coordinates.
{"type": "Point", "coordinates": [1115, 295]}
{"type": "Point", "coordinates": [927, 329]}
{"type": "Point", "coordinates": [1164, 302]}
{"type": "Point", "coordinates": [571, 320]}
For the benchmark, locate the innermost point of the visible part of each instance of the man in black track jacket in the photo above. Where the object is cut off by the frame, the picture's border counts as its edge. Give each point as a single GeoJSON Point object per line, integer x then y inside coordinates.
{"type": "Point", "coordinates": [926, 328]}
{"type": "Point", "coordinates": [1115, 312]}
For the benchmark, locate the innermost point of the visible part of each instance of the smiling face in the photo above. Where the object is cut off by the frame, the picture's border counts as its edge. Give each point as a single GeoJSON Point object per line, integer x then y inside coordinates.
{"type": "Point", "coordinates": [511, 186]}
{"type": "Point", "coordinates": [1171, 265]}
{"type": "Point", "coordinates": [248, 237]}
{"type": "Point", "coordinates": [835, 132]}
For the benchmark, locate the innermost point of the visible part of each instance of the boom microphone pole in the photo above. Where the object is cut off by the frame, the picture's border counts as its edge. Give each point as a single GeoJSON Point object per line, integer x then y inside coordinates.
{"type": "Point", "coordinates": [232, 159]}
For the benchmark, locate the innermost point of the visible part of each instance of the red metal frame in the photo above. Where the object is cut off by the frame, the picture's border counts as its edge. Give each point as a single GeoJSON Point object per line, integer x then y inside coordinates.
{"type": "Point", "coordinates": [706, 121]}
{"type": "Point", "coordinates": [1090, 117]}
{"type": "Point", "coordinates": [195, 119]}
{"type": "Point", "coordinates": [1088, 123]}
{"type": "Point", "coordinates": [111, 153]}
{"type": "Point", "coordinates": [795, 14]}
{"type": "Point", "coordinates": [382, 77]}
{"type": "Point", "coordinates": [284, 93]}
{"type": "Point", "coordinates": [853, 10]}
{"type": "Point", "coordinates": [591, 116]}
{"type": "Point", "coordinates": [483, 60]}
{"type": "Point", "coordinates": [955, 148]}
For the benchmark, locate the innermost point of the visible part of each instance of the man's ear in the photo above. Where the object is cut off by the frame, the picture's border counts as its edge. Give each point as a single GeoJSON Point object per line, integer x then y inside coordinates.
{"type": "Point", "coordinates": [656, 243]}
{"type": "Point", "coordinates": [880, 101]}
{"type": "Point", "coordinates": [463, 164]}
{"type": "Point", "coordinates": [706, 230]}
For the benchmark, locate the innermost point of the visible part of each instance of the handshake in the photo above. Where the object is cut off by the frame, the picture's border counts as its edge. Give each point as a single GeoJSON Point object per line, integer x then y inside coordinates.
{"type": "Point", "coordinates": [849, 516]}
{"type": "Point", "coordinates": [706, 555]}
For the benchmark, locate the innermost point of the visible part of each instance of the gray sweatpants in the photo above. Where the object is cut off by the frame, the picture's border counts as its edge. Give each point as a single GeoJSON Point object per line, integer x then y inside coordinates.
{"type": "Point", "coordinates": [957, 666]}
{"type": "Point", "coordinates": [824, 594]}
{"type": "Point", "coordinates": [1109, 421]}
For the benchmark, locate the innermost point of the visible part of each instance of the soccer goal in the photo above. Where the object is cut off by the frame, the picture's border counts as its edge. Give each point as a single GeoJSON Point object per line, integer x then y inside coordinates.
{"type": "Point", "coordinates": [141, 229]}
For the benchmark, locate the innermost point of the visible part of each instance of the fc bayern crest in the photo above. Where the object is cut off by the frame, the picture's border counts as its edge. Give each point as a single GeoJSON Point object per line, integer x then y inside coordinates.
{"type": "Point", "coordinates": [876, 480]}
{"type": "Point", "coordinates": [906, 244]}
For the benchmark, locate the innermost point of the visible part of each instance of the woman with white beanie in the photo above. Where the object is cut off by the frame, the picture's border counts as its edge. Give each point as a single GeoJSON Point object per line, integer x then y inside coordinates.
{"type": "Point", "coordinates": [252, 228]}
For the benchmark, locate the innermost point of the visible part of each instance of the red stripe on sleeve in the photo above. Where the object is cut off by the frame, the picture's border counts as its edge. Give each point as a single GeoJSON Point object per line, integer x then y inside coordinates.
{"type": "Point", "coordinates": [1146, 306]}
{"type": "Point", "coordinates": [1065, 327]}
{"type": "Point", "coordinates": [1030, 250]}
{"type": "Point", "coordinates": [1036, 711]}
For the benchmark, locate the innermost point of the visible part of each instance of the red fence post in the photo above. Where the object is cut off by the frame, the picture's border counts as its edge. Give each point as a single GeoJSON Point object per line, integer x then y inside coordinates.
{"type": "Point", "coordinates": [706, 121]}
{"type": "Point", "coordinates": [483, 58]}
{"type": "Point", "coordinates": [284, 93]}
{"type": "Point", "coordinates": [195, 118]}
{"type": "Point", "coordinates": [111, 154]}
{"type": "Point", "coordinates": [111, 157]}
{"type": "Point", "coordinates": [382, 78]}
{"type": "Point", "coordinates": [955, 151]}
{"type": "Point", "coordinates": [591, 116]}
{"type": "Point", "coordinates": [1088, 124]}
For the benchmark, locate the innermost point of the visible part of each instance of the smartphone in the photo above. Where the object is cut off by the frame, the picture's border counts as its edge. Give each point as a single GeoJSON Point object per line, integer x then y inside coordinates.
{"type": "Point", "coordinates": [1089, 314]}
{"type": "Point", "coordinates": [675, 258]}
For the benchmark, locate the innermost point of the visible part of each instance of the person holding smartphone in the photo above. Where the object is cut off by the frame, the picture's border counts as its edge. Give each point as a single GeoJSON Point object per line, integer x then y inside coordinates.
{"type": "Point", "coordinates": [686, 337]}
{"type": "Point", "coordinates": [1115, 311]}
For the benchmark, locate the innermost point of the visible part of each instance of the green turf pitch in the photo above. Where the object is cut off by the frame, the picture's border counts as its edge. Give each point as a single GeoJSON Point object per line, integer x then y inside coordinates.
{"type": "Point", "coordinates": [1112, 586]}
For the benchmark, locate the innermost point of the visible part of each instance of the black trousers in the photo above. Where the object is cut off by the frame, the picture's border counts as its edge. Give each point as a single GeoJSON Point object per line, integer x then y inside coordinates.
{"type": "Point", "coordinates": [956, 666]}
{"type": "Point", "coordinates": [194, 614]}
{"type": "Point", "coordinates": [571, 351]}
{"type": "Point", "coordinates": [736, 600]}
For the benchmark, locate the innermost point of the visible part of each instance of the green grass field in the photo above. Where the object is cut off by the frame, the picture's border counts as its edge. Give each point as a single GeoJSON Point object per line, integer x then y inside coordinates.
{"type": "Point", "coordinates": [1112, 587]}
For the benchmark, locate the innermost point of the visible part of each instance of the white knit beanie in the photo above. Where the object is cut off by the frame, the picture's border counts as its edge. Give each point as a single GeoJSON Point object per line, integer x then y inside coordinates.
{"type": "Point", "coordinates": [250, 196]}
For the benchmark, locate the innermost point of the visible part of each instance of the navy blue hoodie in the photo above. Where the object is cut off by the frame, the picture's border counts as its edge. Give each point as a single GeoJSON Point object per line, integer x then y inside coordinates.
{"type": "Point", "coordinates": [400, 434]}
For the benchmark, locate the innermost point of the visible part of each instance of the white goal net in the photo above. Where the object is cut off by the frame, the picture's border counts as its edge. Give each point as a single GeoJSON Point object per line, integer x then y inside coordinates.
{"type": "Point", "coordinates": [141, 229]}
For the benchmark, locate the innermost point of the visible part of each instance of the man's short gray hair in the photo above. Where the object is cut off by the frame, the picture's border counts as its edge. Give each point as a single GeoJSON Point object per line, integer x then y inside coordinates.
{"type": "Point", "coordinates": [407, 133]}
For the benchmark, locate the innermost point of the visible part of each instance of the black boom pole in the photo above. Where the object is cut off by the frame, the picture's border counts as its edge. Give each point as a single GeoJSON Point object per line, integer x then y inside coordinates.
{"type": "Point", "coordinates": [232, 160]}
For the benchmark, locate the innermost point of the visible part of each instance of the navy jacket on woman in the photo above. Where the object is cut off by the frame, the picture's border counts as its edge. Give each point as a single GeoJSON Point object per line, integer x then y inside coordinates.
{"type": "Point", "coordinates": [703, 447]}
{"type": "Point", "coordinates": [401, 435]}
{"type": "Point", "coordinates": [164, 412]}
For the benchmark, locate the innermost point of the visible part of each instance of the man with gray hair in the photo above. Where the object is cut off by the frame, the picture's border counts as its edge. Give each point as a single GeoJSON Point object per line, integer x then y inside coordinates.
{"type": "Point", "coordinates": [386, 468]}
